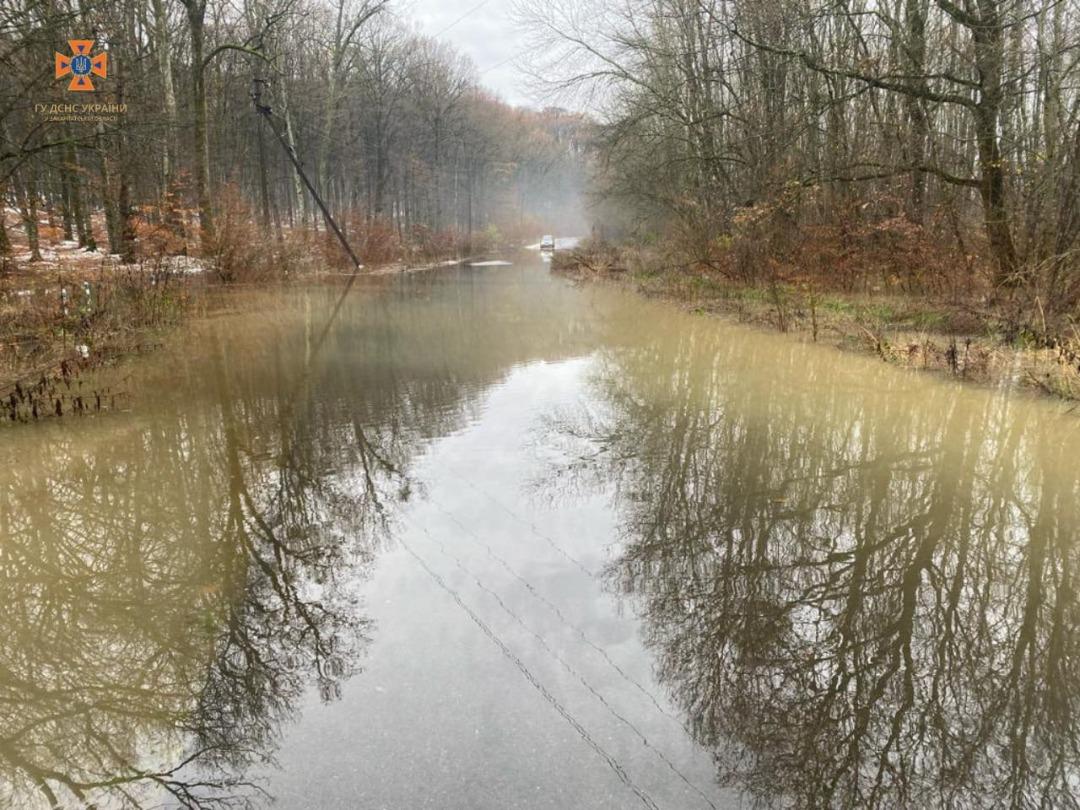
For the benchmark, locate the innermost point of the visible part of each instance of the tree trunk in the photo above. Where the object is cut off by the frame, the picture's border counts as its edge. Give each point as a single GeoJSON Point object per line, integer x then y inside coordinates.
{"type": "Point", "coordinates": [125, 221]}
{"type": "Point", "coordinates": [83, 226]}
{"type": "Point", "coordinates": [264, 181]}
{"type": "Point", "coordinates": [29, 208]}
{"type": "Point", "coordinates": [995, 210]}
{"type": "Point", "coordinates": [5, 241]}
{"type": "Point", "coordinates": [989, 58]}
{"type": "Point", "coordinates": [168, 93]}
{"type": "Point", "coordinates": [298, 187]}
{"type": "Point", "coordinates": [108, 193]}
{"type": "Point", "coordinates": [915, 12]}
{"type": "Point", "coordinates": [65, 203]}
{"type": "Point", "coordinates": [196, 14]}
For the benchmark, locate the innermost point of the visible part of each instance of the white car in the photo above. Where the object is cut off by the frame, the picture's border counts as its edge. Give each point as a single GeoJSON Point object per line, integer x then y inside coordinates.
{"type": "Point", "coordinates": [547, 242]}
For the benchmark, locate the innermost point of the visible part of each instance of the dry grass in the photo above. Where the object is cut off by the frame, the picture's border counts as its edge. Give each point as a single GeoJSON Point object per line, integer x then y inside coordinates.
{"type": "Point", "coordinates": [56, 326]}
{"type": "Point", "coordinates": [942, 321]}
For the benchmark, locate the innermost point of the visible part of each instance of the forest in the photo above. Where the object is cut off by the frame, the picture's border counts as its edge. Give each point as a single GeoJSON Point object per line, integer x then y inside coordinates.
{"type": "Point", "coordinates": [484, 404]}
{"type": "Point", "coordinates": [921, 147]}
{"type": "Point", "coordinates": [215, 139]}
{"type": "Point", "coordinates": [392, 127]}
{"type": "Point", "coordinates": [878, 170]}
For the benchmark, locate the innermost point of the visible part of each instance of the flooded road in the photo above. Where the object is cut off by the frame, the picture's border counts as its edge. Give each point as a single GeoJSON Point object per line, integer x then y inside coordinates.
{"type": "Point", "coordinates": [500, 542]}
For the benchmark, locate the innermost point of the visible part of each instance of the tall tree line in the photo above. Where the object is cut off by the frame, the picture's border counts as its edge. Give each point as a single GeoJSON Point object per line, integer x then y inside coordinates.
{"type": "Point", "coordinates": [390, 125]}
{"type": "Point", "coordinates": [961, 111]}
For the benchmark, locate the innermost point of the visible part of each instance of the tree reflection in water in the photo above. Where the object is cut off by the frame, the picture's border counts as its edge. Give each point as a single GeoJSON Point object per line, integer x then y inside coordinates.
{"type": "Point", "coordinates": [182, 616]}
{"type": "Point", "coordinates": [172, 590]}
{"type": "Point", "coordinates": [858, 586]}
{"type": "Point", "coordinates": [173, 580]}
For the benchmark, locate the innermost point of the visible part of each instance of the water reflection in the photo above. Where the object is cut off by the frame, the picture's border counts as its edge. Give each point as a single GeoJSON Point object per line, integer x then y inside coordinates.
{"type": "Point", "coordinates": [156, 635]}
{"type": "Point", "coordinates": [859, 586]}
{"type": "Point", "coordinates": [176, 578]}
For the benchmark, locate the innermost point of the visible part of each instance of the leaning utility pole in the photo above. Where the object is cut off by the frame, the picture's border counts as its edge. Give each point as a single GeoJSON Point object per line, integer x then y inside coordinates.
{"type": "Point", "coordinates": [265, 111]}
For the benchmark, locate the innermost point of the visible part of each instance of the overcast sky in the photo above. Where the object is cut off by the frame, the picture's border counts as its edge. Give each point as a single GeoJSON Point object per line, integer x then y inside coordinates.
{"type": "Point", "coordinates": [484, 31]}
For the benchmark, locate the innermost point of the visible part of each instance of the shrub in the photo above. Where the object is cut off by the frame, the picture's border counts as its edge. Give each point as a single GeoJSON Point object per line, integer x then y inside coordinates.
{"type": "Point", "coordinates": [240, 252]}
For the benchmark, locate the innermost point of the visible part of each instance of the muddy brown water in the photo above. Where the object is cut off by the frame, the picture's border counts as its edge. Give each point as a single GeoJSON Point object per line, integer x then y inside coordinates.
{"type": "Point", "coordinates": [501, 542]}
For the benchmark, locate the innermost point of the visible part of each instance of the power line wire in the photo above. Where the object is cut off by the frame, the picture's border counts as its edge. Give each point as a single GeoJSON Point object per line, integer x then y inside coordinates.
{"type": "Point", "coordinates": [497, 65]}
{"type": "Point", "coordinates": [475, 8]}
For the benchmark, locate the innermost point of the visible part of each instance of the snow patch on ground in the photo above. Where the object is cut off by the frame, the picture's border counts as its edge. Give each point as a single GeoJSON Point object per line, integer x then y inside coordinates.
{"type": "Point", "coordinates": [184, 264]}
{"type": "Point", "coordinates": [47, 255]}
{"type": "Point", "coordinates": [71, 256]}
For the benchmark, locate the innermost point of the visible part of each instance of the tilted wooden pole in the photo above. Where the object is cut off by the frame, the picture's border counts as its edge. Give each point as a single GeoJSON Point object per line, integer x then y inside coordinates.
{"type": "Point", "coordinates": [265, 112]}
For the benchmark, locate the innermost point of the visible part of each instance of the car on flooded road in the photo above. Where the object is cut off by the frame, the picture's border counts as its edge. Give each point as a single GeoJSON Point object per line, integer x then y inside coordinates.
{"type": "Point", "coordinates": [547, 242]}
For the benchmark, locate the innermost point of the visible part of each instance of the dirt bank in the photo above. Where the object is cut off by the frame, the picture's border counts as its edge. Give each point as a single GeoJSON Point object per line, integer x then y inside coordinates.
{"type": "Point", "coordinates": [990, 345]}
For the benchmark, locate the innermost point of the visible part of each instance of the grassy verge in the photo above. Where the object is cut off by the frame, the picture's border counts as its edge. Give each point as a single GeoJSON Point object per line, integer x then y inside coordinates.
{"type": "Point", "coordinates": [962, 339]}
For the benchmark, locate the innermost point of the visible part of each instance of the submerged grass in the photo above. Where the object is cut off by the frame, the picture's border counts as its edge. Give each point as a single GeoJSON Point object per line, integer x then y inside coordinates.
{"type": "Point", "coordinates": [57, 325]}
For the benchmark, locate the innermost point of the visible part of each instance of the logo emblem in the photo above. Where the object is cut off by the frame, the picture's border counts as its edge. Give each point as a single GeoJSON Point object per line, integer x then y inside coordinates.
{"type": "Point", "coordinates": [81, 64]}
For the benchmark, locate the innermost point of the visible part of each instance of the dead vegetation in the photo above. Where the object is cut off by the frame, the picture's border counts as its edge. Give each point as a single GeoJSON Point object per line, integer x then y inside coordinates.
{"type": "Point", "coordinates": [56, 324]}
{"type": "Point", "coordinates": [901, 291]}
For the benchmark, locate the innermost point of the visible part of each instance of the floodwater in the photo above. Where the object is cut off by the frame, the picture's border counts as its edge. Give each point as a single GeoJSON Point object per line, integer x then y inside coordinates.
{"type": "Point", "coordinates": [490, 540]}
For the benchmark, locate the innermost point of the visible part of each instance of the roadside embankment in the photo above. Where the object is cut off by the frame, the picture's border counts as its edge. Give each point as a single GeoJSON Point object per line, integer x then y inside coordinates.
{"type": "Point", "coordinates": [1009, 343]}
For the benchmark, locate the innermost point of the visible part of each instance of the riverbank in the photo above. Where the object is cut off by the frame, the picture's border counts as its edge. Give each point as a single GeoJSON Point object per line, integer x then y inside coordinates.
{"type": "Point", "coordinates": [960, 338]}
